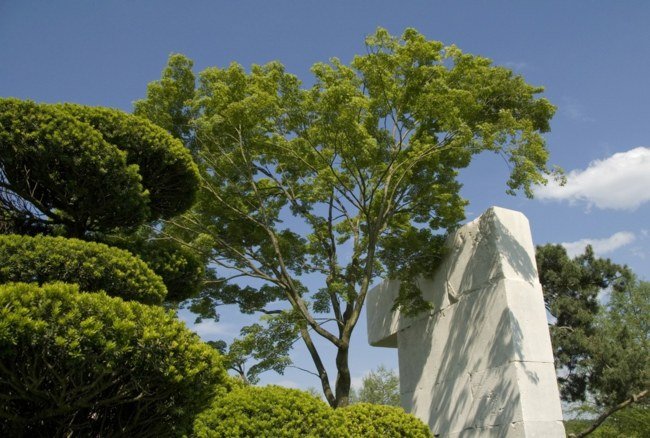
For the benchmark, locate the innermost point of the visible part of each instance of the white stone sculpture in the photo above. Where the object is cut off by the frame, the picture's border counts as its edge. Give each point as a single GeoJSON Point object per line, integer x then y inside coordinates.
{"type": "Point", "coordinates": [480, 363]}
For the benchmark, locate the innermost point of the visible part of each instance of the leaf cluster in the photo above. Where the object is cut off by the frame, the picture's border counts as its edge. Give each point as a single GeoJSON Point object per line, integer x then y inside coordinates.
{"type": "Point", "coordinates": [92, 266]}
{"type": "Point", "coordinates": [380, 387]}
{"type": "Point", "coordinates": [182, 270]}
{"type": "Point", "coordinates": [87, 364]}
{"type": "Point", "coordinates": [274, 411]}
{"type": "Point", "coordinates": [86, 169]}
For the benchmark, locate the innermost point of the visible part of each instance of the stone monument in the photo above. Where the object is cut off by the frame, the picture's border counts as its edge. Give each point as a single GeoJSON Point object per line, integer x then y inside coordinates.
{"type": "Point", "coordinates": [480, 363]}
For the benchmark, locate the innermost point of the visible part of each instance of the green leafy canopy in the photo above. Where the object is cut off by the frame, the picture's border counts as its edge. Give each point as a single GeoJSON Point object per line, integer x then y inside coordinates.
{"type": "Point", "coordinates": [352, 178]}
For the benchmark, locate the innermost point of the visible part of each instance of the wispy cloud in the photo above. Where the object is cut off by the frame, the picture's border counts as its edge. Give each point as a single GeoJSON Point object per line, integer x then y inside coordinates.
{"type": "Point", "coordinates": [600, 246]}
{"type": "Point", "coordinates": [287, 384]}
{"type": "Point", "coordinates": [210, 329]}
{"type": "Point", "coordinates": [574, 110]}
{"type": "Point", "coordinates": [620, 182]}
{"type": "Point", "coordinates": [516, 65]}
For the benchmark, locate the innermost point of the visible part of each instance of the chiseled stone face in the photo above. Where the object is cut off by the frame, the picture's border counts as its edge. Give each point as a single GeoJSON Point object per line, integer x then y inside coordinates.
{"type": "Point", "coordinates": [480, 363]}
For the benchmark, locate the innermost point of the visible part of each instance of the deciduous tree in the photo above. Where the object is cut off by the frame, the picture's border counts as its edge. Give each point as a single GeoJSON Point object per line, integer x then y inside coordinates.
{"type": "Point", "coordinates": [380, 387]}
{"type": "Point", "coordinates": [314, 193]}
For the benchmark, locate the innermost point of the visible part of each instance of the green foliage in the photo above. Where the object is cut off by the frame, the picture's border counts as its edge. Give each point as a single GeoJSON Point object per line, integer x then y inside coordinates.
{"type": "Point", "coordinates": [261, 347]}
{"type": "Point", "coordinates": [75, 169]}
{"type": "Point", "coordinates": [270, 411]}
{"type": "Point", "coordinates": [93, 266]}
{"type": "Point", "coordinates": [182, 271]}
{"type": "Point", "coordinates": [169, 100]}
{"type": "Point", "coordinates": [55, 169]}
{"type": "Point", "coordinates": [85, 364]}
{"type": "Point", "coordinates": [380, 387]}
{"type": "Point", "coordinates": [620, 349]}
{"type": "Point", "coordinates": [633, 422]}
{"type": "Point", "coordinates": [348, 179]}
{"type": "Point", "coordinates": [377, 421]}
{"type": "Point", "coordinates": [168, 172]}
{"type": "Point", "coordinates": [596, 347]}
{"type": "Point", "coordinates": [273, 411]}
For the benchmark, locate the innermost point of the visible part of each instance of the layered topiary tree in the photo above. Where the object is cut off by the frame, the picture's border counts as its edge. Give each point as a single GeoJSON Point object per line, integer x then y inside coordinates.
{"type": "Point", "coordinates": [86, 364]}
{"type": "Point", "coordinates": [97, 174]}
{"type": "Point", "coordinates": [93, 266]}
{"type": "Point", "coordinates": [76, 170]}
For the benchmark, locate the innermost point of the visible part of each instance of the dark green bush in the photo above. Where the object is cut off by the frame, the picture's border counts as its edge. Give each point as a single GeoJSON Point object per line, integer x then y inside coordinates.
{"type": "Point", "coordinates": [88, 169]}
{"type": "Point", "coordinates": [93, 266]}
{"type": "Point", "coordinates": [167, 169]}
{"type": "Point", "coordinates": [86, 364]}
{"type": "Point", "coordinates": [66, 170]}
{"type": "Point", "coordinates": [181, 269]}
{"type": "Point", "coordinates": [270, 411]}
{"type": "Point", "coordinates": [377, 421]}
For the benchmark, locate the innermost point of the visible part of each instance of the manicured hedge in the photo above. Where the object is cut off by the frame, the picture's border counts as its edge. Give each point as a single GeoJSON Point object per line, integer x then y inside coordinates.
{"type": "Point", "coordinates": [377, 421]}
{"type": "Point", "coordinates": [86, 364]}
{"type": "Point", "coordinates": [93, 266]}
{"type": "Point", "coordinates": [274, 411]}
{"type": "Point", "coordinates": [271, 411]}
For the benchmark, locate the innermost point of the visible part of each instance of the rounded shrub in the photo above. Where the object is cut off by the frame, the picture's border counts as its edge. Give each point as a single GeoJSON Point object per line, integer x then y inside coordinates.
{"type": "Point", "coordinates": [168, 172]}
{"type": "Point", "coordinates": [67, 170]}
{"type": "Point", "coordinates": [86, 364]}
{"type": "Point", "coordinates": [270, 411]}
{"type": "Point", "coordinates": [377, 421]}
{"type": "Point", "coordinates": [93, 266]}
{"type": "Point", "coordinates": [88, 169]}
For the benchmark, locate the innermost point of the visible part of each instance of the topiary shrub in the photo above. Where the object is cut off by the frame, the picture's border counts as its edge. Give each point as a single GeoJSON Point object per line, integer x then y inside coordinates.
{"type": "Point", "coordinates": [377, 421]}
{"type": "Point", "coordinates": [87, 170]}
{"type": "Point", "coordinates": [93, 266]}
{"type": "Point", "coordinates": [270, 411]}
{"type": "Point", "coordinates": [86, 364]}
{"type": "Point", "coordinates": [273, 411]}
{"type": "Point", "coordinates": [168, 172]}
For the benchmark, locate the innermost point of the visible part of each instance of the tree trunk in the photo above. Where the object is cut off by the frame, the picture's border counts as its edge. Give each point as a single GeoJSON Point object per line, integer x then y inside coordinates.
{"type": "Point", "coordinates": [343, 379]}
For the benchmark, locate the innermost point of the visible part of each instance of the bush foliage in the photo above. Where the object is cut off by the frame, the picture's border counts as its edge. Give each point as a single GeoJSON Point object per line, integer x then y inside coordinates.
{"type": "Point", "coordinates": [274, 411]}
{"type": "Point", "coordinates": [182, 270]}
{"type": "Point", "coordinates": [270, 411]}
{"type": "Point", "coordinates": [86, 364]}
{"type": "Point", "coordinates": [87, 169]}
{"type": "Point", "coordinates": [168, 172]}
{"type": "Point", "coordinates": [377, 421]}
{"type": "Point", "coordinates": [93, 266]}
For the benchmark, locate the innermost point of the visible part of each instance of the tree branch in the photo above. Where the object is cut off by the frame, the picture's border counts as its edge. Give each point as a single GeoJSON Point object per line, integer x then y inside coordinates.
{"type": "Point", "coordinates": [602, 417]}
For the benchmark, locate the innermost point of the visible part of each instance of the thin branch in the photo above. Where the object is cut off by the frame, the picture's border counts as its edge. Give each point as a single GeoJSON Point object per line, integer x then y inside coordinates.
{"type": "Point", "coordinates": [602, 417]}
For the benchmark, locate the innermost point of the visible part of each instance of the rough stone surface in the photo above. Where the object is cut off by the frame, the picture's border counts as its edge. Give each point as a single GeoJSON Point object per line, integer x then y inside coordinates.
{"type": "Point", "coordinates": [480, 363]}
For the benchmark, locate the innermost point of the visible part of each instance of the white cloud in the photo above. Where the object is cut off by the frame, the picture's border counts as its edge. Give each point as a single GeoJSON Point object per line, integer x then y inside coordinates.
{"type": "Point", "coordinates": [620, 182]}
{"type": "Point", "coordinates": [211, 329]}
{"type": "Point", "coordinates": [516, 65]}
{"type": "Point", "coordinates": [357, 382]}
{"type": "Point", "coordinates": [574, 111]}
{"type": "Point", "coordinates": [600, 246]}
{"type": "Point", "coordinates": [287, 384]}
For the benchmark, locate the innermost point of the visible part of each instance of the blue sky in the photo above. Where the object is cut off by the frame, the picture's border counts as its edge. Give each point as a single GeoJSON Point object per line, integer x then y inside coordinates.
{"type": "Point", "coordinates": [592, 57]}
